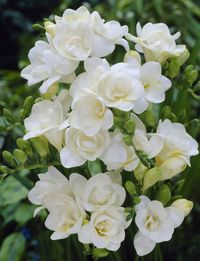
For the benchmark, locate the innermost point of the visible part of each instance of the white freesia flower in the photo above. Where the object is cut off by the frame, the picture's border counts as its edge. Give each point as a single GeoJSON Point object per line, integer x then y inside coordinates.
{"type": "Point", "coordinates": [50, 184]}
{"type": "Point", "coordinates": [65, 99]}
{"type": "Point", "coordinates": [94, 69]}
{"type": "Point", "coordinates": [45, 119]}
{"type": "Point", "coordinates": [90, 114]}
{"type": "Point", "coordinates": [79, 147]}
{"type": "Point", "coordinates": [155, 84]}
{"type": "Point", "coordinates": [66, 216]}
{"type": "Point", "coordinates": [105, 228]}
{"type": "Point", "coordinates": [119, 155]}
{"type": "Point", "coordinates": [178, 147]}
{"type": "Point", "coordinates": [157, 43]}
{"type": "Point", "coordinates": [78, 34]}
{"type": "Point", "coordinates": [120, 87]}
{"type": "Point", "coordinates": [48, 66]}
{"type": "Point", "coordinates": [155, 223]}
{"type": "Point", "coordinates": [151, 144]}
{"type": "Point", "coordinates": [100, 190]}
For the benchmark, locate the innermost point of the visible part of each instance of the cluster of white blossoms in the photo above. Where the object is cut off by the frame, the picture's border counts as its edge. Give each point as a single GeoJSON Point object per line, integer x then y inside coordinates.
{"type": "Point", "coordinates": [82, 121]}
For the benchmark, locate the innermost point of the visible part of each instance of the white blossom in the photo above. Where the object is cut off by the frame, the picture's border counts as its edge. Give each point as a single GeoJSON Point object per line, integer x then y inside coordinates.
{"type": "Point", "coordinates": [157, 43]}
{"type": "Point", "coordinates": [90, 114]}
{"type": "Point", "coordinates": [150, 143]}
{"type": "Point", "coordinates": [79, 147]}
{"type": "Point", "coordinates": [45, 119]}
{"type": "Point", "coordinates": [154, 83]}
{"type": "Point", "coordinates": [66, 216]}
{"type": "Point", "coordinates": [50, 184]}
{"type": "Point", "coordinates": [177, 149]}
{"type": "Point", "coordinates": [103, 189]}
{"type": "Point", "coordinates": [78, 35]}
{"type": "Point", "coordinates": [105, 228]}
{"type": "Point", "coordinates": [155, 223]}
{"type": "Point", "coordinates": [119, 155]}
{"type": "Point", "coordinates": [48, 66]}
{"type": "Point", "coordinates": [120, 87]}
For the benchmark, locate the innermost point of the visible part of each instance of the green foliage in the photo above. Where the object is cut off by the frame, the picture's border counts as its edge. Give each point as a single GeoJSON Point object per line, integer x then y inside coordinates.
{"type": "Point", "coordinates": [13, 248]}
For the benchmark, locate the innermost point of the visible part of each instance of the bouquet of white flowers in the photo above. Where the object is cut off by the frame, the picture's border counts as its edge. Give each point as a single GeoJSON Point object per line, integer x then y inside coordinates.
{"type": "Point", "coordinates": [113, 159]}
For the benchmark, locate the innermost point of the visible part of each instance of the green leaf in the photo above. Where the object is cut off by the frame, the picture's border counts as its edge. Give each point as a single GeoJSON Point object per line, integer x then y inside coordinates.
{"type": "Point", "coordinates": [13, 248]}
{"type": "Point", "coordinates": [12, 191]}
{"type": "Point", "coordinates": [24, 213]}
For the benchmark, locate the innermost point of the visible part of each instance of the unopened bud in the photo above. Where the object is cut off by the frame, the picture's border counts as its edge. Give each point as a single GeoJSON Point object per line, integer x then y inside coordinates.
{"type": "Point", "coordinates": [129, 126]}
{"type": "Point", "coordinates": [193, 75]}
{"type": "Point", "coordinates": [41, 145]}
{"type": "Point", "coordinates": [121, 114]}
{"type": "Point", "coordinates": [183, 56]}
{"type": "Point", "coordinates": [183, 204]}
{"type": "Point", "coordinates": [151, 177]}
{"type": "Point", "coordinates": [28, 103]}
{"type": "Point", "coordinates": [8, 115]}
{"type": "Point", "coordinates": [127, 140]}
{"type": "Point", "coordinates": [52, 91]}
{"type": "Point", "coordinates": [25, 146]}
{"type": "Point", "coordinates": [139, 172]}
{"type": "Point", "coordinates": [99, 252]}
{"type": "Point", "coordinates": [50, 28]}
{"type": "Point", "coordinates": [4, 169]}
{"type": "Point", "coordinates": [131, 188]}
{"type": "Point", "coordinates": [149, 117]}
{"type": "Point", "coordinates": [174, 67]}
{"type": "Point", "coordinates": [7, 156]}
{"type": "Point", "coordinates": [20, 156]}
{"type": "Point", "coordinates": [164, 194]}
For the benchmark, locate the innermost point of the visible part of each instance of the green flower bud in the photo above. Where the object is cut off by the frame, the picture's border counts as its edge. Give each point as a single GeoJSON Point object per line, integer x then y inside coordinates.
{"type": "Point", "coordinates": [166, 112]}
{"type": "Point", "coordinates": [41, 146]}
{"type": "Point", "coordinates": [28, 103]}
{"type": "Point", "coordinates": [118, 122]}
{"type": "Point", "coordinates": [192, 77]}
{"type": "Point", "coordinates": [164, 194]}
{"type": "Point", "coordinates": [129, 126]}
{"type": "Point", "coordinates": [20, 156]}
{"type": "Point", "coordinates": [188, 69]}
{"type": "Point", "coordinates": [4, 169]}
{"type": "Point", "coordinates": [149, 117]}
{"type": "Point", "coordinates": [151, 177]}
{"type": "Point", "coordinates": [174, 67]}
{"type": "Point", "coordinates": [127, 140]}
{"type": "Point", "coordinates": [94, 167]}
{"type": "Point", "coordinates": [8, 115]}
{"type": "Point", "coordinates": [139, 172]}
{"type": "Point", "coordinates": [38, 27]}
{"type": "Point", "coordinates": [52, 90]}
{"type": "Point", "coordinates": [121, 114]}
{"type": "Point", "coordinates": [196, 88]}
{"type": "Point", "coordinates": [25, 146]}
{"type": "Point", "coordinates": [7, 156]}
{"type": "Point", "coordinates": [136, 200]}
{"type": "Point", "coordinates": [100, 252]}
{"type": "Point", "coordinates": [131, 188]}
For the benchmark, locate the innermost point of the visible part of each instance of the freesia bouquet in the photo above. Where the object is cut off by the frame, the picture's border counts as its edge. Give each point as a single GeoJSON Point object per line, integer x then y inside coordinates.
{"type": "Point", "coordinates": [114, 156]}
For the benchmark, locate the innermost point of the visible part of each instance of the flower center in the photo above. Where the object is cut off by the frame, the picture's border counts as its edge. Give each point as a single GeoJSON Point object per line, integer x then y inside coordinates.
{"type": "Point", "coordinates": [102, 228]}
{"type": "Point", "coordinates": [151, 223]}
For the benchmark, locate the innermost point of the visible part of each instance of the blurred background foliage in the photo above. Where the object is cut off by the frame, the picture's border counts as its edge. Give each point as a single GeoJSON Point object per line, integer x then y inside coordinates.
{"type": "Point", "coordinates": [24, 238]}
